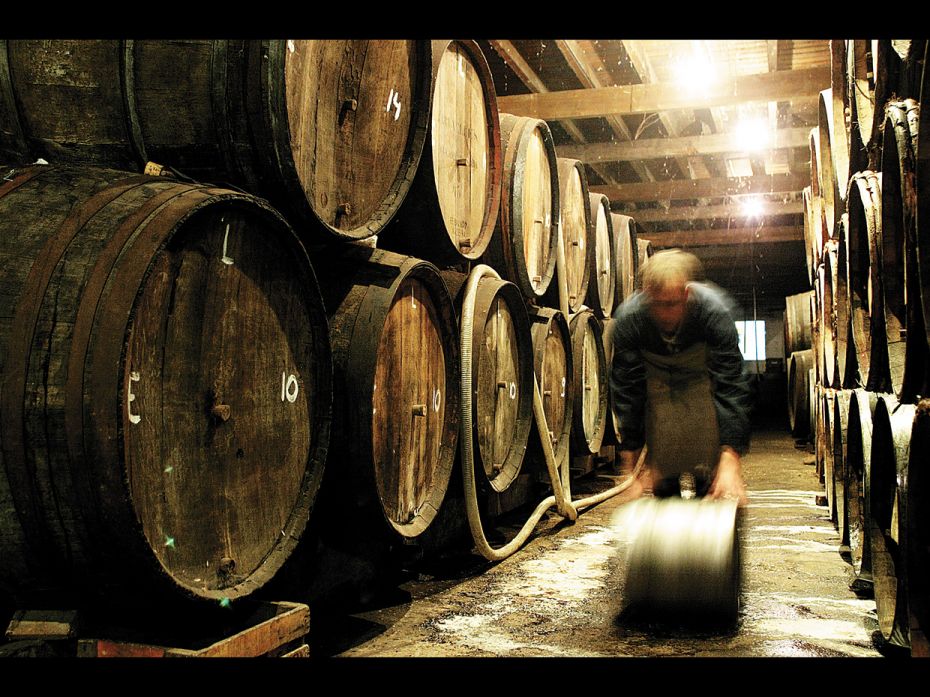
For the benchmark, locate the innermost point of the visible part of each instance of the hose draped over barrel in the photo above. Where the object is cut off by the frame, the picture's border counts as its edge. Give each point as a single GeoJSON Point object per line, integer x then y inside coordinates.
{"type": "Point", "coordinates": [561, 497]}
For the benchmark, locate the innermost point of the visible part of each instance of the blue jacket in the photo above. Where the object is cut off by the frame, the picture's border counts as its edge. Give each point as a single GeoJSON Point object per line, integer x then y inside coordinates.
{"type": "Point", "coordinates": [707, 319]}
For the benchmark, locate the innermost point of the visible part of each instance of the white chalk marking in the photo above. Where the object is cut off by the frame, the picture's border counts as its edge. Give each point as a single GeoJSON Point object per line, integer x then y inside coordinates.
{"type": "Point", "coordinates": [226, 259]}
{"type": "Point", "coordinates": [288, 382]}
{"type": "Point", "coordinates": [130, 397]}
{"type": "Point", "coordinates": [513, 390]}
{"type": "Point", "coordinates": [290, 45]}
{"type": "Point", "coordinates": [563, 388]}
{"type": "Point", "coordinates": [437, 399]}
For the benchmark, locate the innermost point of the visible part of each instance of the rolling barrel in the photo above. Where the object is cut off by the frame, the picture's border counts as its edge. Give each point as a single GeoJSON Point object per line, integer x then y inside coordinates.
{"type": "Point", "coordinates": [452, 210]}
{"type": "Point", "coordinates": [589, 378]}
{"type": "Point", "coordinates": [522, 249]}
{"type": "Point", "coordinates": [502, 376]}
{"type": "Point", "coordinates": [577, 234]}
{"type": "Point", "coordinates": [554, 367]}
{"type": "Point", "coordinates": [603, 272]}
{"type": "Point", "coordinates": [330, 131]}
{"type": "Point", "coordinates": [612, 431]}
{"type": "Point", "coordinates": [396, 376]}
{"type": "Point", "coordinates": [158, 338]}
{"type": "Point", "coordinates": [683, 562]}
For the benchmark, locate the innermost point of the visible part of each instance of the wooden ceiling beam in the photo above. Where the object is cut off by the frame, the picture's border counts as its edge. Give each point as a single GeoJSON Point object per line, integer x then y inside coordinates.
{"type": "Point", "coordinates": [509, 53]}
{"type": "Point", "coordinates": [676, 189]}
{"type": "Point", "coordinates": [585, 62]}
{"type": "Point", "coordinates": [800, 85]}
{"type": "Point", "coordinates": [672, 121]}
{"type": "Point", "coordinates": [733, 236]}
{"type": "Point", "coordinates": [732, 211]}
{"type": "Point", "coordinates": [659, 148]}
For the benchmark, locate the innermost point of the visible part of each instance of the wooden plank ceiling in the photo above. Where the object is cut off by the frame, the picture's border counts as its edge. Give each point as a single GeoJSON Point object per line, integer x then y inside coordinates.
{"type": "Point", "coordinates": [682, 135]}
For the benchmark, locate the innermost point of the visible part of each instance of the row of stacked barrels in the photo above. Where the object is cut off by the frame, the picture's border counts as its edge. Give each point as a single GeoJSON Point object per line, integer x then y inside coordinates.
{"type": "Point", "coordinates": [867, 240]}
{"type": "Point", "coordinates": [258, 335]}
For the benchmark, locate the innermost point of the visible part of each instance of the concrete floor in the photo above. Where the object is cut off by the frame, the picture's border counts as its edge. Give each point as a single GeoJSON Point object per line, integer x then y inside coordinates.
{"type": "Point", "coordinates": [561, 595]}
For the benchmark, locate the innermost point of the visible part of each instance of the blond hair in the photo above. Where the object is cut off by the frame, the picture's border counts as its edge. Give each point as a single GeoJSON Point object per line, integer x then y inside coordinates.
{"type": "Point", "coordinates": [670, 267]}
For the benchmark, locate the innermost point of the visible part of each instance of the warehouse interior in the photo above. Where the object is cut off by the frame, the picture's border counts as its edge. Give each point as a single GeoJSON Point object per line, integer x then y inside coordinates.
{"type": "Point", "coordinates": [194, 210]}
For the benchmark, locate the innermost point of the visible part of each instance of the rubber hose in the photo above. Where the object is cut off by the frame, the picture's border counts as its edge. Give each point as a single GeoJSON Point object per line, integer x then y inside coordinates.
{"type": "Point", "coordinates": [562, 495]}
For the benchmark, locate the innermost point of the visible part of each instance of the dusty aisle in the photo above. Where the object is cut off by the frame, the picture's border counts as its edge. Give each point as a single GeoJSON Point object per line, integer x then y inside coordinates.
{"type": "Point", "coordinates": [561, 595]}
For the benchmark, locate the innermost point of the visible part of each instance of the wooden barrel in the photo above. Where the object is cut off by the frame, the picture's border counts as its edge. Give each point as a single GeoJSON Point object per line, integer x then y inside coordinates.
{"type": "Point", "coordinates": [799, 406]}
{"type": "Point", "coordinates": [846, 356]}
{"type": "Point", "coordinates": [828, 316]}
{"type": "Point", "coordinates": [905, 336]}
{"type": "Point", "coordinates": [871, 72]}
{"type": "Point", "coordinates": [502, 376]}
{"type": "Point", "coordinates": [396, 375]}
{"type": "Point", "coordinates": [858, 473]}
{"type": "Point", "coordinates": [577, 234]}
{"type": "Point", "coordinates": [798, 324]}
{"type": "Point", "coordinates": [602, 289]}
{"type": "Point", "coordinates": [589, 379]}
{"type": "Point", "coordinates": [451, 212]}
{"type": "Point", "coordinates": [627, 253]}
{"type": "Point", "coordinates": [331, 131]}
{"type": "Point", "coordinates": [683, 563]}
{"type": "Point", "coordinates": [889, 516]}
{"type": "Point", "coordinates": [863, 240]}
{"type": "Point", "coordinates": [918, 535]}
{"type": "Point", "coordinates": [840, 446]}
{"type": "Point", "coordinates": [554, 367]}
{"type": "Point", "coordinates": [159, 338]}
{"type": "Point", "coordinates": [522, 249]}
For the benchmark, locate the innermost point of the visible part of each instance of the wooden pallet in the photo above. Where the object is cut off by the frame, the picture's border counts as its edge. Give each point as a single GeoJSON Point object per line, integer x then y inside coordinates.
{"type": "Point", "coordinates": [279, 629]}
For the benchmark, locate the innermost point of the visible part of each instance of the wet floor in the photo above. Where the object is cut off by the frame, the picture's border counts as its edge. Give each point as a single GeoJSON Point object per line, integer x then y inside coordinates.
{"type": "Point", "coordinates": [562, 594]}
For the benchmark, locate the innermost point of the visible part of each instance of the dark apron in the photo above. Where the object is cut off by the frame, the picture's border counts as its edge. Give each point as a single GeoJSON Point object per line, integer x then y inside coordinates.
{"type": "Point", "coordinates": [681, 419]}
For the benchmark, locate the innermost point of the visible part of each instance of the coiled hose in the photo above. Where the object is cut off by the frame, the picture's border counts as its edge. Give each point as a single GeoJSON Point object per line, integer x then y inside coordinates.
{"type": "Point", "coordinates": [560, 483]}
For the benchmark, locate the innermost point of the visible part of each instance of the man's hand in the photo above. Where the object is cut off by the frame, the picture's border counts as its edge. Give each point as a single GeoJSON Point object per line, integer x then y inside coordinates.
{"type": "Point", "coordinates": [728, 483]}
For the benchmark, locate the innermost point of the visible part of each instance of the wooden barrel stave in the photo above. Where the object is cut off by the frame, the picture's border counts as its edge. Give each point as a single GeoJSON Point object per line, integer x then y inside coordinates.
{"type": "Point", "coordinates": [799, 406]}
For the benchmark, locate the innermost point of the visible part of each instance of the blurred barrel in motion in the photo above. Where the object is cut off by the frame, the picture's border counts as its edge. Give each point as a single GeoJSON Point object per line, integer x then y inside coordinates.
{"type": "Point", "coordinates": [683, 561]}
